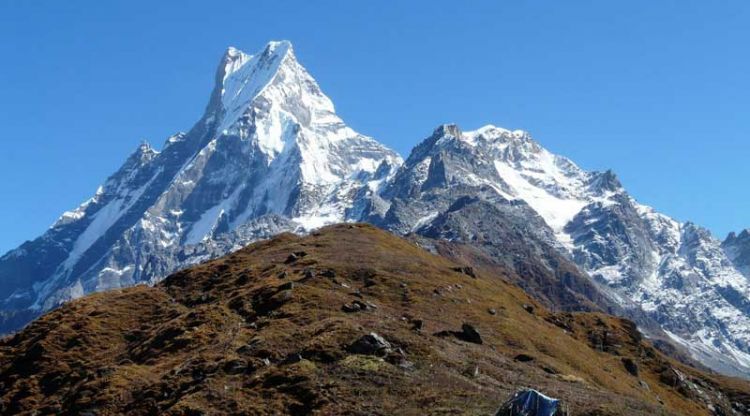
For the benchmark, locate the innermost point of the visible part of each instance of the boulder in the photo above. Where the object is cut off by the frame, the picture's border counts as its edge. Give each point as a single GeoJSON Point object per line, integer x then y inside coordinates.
{"type": "Point", "coordinates": [355, 306]}
{"type": "Point", "coordinates": [470, 334]}
{"type": "Point", "coordinates": [630, 366]}
{"type": "Point", "coordinates": [370, 344]}
{"type": "Point", "coordinates": [291, 258]}
{"type": "Point", "coordinates": [469, 271]}
{"type": "Point", "coordinates": [235, 367]}
{"type": "Point", "coordinates": [523, 358]}
{"type": "Point", "coordinates": [417, 324]}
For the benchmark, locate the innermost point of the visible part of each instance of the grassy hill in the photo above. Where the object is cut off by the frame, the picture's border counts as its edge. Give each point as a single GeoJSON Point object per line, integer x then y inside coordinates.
{"type": "Point", "coordinates": [350, 320]}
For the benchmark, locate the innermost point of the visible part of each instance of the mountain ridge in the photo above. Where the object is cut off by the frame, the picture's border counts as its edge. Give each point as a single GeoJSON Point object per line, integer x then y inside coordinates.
{"type": "Point", "coordinates": [270, 155]}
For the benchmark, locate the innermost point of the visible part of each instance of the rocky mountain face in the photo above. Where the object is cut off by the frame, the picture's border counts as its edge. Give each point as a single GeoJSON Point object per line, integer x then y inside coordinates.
{"type": "Point", "coordinates": [271, 155]}
{"type": "Point", "coordinates": [446, 190]}
{"type": "Point", "coordinates": [737, 248]}
{"type": "Point", "coordinates": [349, 320]}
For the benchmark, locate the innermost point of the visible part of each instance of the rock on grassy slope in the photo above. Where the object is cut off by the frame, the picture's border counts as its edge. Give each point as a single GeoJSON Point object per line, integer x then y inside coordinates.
{"type": "Point", "coordinates": [348, 320]}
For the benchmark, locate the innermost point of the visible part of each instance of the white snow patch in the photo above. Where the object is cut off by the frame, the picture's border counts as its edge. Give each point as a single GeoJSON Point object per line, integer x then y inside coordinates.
{"type": "Point", "coordinates": [204, 226]}
{"type": "Point", "coordinates": [102, 220]}
{"type": "Point", "coordinates": [556, 211]}
{"type": "Point", "coordinates": [424, 220]}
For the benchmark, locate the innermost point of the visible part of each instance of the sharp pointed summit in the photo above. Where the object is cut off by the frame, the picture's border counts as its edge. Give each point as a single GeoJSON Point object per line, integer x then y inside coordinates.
{"type": "Point", "coordinates": [269, 155]}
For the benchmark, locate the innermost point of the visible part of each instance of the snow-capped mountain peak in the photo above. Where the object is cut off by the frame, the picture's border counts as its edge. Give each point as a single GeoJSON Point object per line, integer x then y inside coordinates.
{"type": "Point", "coordinates": [676, 273]}
{"type": "Point", "coordinates": [290, 114]}
{"type": "Point", "coordinates": [269, 154]}
{"type": "Point", "coordinates": [246, 76]}
{"type": "Point", "coordinates": [499, 136]}
{"type": "Point", "coordinates": [274, 108]}
{"type": "Point", "coordinates": [233, 59]}
{"type": "Point", "coordinates": [520, 169]}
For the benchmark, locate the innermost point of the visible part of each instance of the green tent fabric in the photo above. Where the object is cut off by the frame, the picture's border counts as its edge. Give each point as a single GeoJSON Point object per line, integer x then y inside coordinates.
{"type": "Point", "coordinates": [529, 402]}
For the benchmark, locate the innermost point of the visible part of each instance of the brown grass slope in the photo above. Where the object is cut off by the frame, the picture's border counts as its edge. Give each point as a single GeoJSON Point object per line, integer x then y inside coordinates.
{"type": "Point", "coordinates": [261, 332]}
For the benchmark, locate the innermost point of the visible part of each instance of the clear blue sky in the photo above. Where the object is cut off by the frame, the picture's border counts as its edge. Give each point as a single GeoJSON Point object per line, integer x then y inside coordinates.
{"type": "Point", "coordinates": [657, 91]}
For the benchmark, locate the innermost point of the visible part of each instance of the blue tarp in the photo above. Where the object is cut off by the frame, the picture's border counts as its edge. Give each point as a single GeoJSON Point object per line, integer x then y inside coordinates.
{"type": "Point", "coordinates": [529, 403]}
